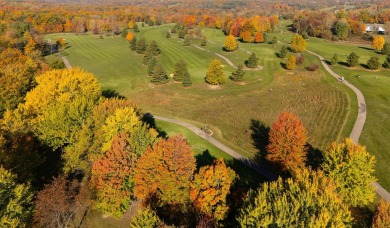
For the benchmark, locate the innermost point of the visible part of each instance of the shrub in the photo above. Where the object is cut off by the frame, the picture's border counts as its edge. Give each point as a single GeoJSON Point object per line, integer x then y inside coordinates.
{"type": "Point", "coordinates": [373, 63]}
{"type": "Point", "coordinates": [312, 67]}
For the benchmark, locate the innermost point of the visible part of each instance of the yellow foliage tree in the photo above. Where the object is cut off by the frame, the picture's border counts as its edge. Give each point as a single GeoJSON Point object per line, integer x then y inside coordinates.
{"type": "Point", "coordinates": [378, 42]}
{"type": "Point", "coordinates": [298, 44]}
{"type": "Point", "coordinates": [131, 24]}
{"type": "Point", "coordinates": [291, 62]}
{"type": "Point", "coordinates": [246, 36]}
{"type": "Point", "coordinates": [230, 43]}
{"type": "Point", "coordinates": [215, 75]}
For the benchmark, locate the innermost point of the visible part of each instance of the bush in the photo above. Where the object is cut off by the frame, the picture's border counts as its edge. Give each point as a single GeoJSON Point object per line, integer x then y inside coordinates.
{"type": "Point", "coordinates": [352, 59]}
{"type": "Point", "coordinates": [305, 35]}
{"type": "Point", "coordinates": [326, 35]}
{"type": "Point", "coordinates": [300, 59]}
{"type": "Point", "coordinates": [312, 67]}
{"type": "Point", "coordinates": [386, 64]}
{"type": "Point", "coordinates": [373, 63]}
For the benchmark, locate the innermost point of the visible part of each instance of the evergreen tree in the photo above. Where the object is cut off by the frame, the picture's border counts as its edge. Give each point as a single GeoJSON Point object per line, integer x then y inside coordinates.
{"type": "Point", "coordinates": [352, 59]}
{"type": "Point", "coordinates": [159, 75]}
{"type": "Point", "coordinates": [141, 46]}
{"type": "Point", "coordinates": [283, 52]}
{"type": "Point", "coordinates": [124, 32]}
{"type": "Point", "coordinates": [154, 49]}
{"type": "Point", "coordinates": [187, 79]}
{"type": "Point", "coordinates": [373, 63]}
{"type": "Point", "coordinates": [135, 28]}
{"type": "Point", "coordinates": [215, 75]}
{"type": "Point", "coordinates": [386, 64]}
{"type": "Point", "coordinates": [151, 64]}
{"type": "Point", "coordinates": [238, 75]}
{"type": "Point", "coordinates": [180, 71]}
{"type": "Point", "coordinates": [133, 44]}
{"type": "Point", "coordinates": [182, 33]}
{"type": "Point", "coordinates": [168, 35]}
{"type": "Point", "coordinates": [187, 41]}
{"type": "Point", "coordinates": [335, 59]}
{"type": "Point", "coordinates": [386, 49]}
{"type": "Point", "coordinates": [252, 61]}
{"type": "Point", "coordinates": [274, 40]}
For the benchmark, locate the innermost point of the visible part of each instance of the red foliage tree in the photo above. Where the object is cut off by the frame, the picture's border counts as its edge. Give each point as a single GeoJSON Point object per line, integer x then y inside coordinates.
{"type": "Point", "coordinates": [288, 139]}
{"type": "Point", "coordinates": [259, 38]}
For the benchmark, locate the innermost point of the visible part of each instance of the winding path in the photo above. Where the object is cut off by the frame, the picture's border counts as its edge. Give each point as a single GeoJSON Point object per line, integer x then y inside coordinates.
{"type": "Point", "coordinates": [360, 120]}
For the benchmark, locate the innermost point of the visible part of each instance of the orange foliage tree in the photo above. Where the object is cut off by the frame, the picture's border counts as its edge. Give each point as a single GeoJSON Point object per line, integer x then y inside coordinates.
{"type": "Point", "coordinates": [378, 42]}
{"type": "Point", "coordinates": [129, 36]}
{"type": "Point", "coordinates": [210, 188]}
{"type": "Point", "coordinates": [288, 139]}
{"type": "Point", "coordinates": [382, 215]}
{"type": "Point", "coordinates": [164, 171]}
{"type": "Point", "coordinates": [246, 36]}
{"type": "Point", "coordinates": [112, 177]}
{"type": "Point", "coordinates": [259, 38]}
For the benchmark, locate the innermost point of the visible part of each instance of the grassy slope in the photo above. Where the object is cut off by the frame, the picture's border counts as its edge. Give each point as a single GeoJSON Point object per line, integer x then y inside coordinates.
{"type": "Point", "coordinates": [316, 98]}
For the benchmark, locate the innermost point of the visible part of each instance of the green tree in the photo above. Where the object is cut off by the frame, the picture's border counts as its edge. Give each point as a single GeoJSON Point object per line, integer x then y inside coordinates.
{"type": "Point", "coordinates": [238, 75]}
{"type": "Point", "coordinates": [180, 71]}
{"type": "Point", "coordinates": [141, 46]}
{"type": "Point", "coordinates": [341, 30]}
{"type": "Point", "coordinates": [187, 79]}
{"type": "Point", "coordinates": [353, 59]}
{"type": "Point", "coordinates": [135, 28]}
{"type": "Point", "coordinates": [252, 61]}
{"type": "Point", "coordinates": [308, 200]}
{"type": "Point", "coordinates": [204, 42]}
{"type": "Point", "coordinates": [352, 169]}
{"type": "Point", "coordinates": [159, 75]}
{"type": "Point", "coordinates": [274, 40]}
{"type": "Point", "coordinates": [16, 205]}
{"type": "Point", "coordinates": [168, 35]}
{"type": "Point", "coordinates": [133, 44]}
{"type": "Point", "coordinates": [373, 63]}
{"type": "Point", "coordinates": [182, 33]}
{"type": "Point", "coordinates": [146, 218]}
{"type": "Point", "coordinates": [298, 44]}
{"type": "Point", "coordinates": [215, 75]}
{"type": "Point", "coordinates": [187, 41]}
{"type": "Point", "coordinates": [283, 52]}
{"type": "Point", "coordinates": [335, 59]}
{"type": "Point", "coordinates": [386, 63]}
{"type": "Point", "coordinates": [151, 65]}
{"type": "Point", "coordinates": [152, 51]}
{"type": "Point", "coordinates": [386, 49]}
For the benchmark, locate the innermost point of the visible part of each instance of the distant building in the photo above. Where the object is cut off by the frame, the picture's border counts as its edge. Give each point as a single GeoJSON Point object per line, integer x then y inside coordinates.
{"type": "Point", "coordinates": [378, 28]}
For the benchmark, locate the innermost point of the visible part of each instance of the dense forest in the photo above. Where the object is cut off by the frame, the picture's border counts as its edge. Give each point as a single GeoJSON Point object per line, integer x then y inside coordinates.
{"type": "Point", "coordinates": [67, 146]}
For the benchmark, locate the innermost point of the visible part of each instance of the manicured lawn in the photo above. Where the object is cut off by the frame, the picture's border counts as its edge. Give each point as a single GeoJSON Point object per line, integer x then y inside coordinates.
{"type": "Point", "coordinates": [232, 110]}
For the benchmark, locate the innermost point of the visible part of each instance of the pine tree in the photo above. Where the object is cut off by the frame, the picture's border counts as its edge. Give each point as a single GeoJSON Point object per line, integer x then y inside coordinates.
{"type": "Point", "coordinates": [187, 79]}
{"type": "Point", "coordinates": [180, 71]}
{"type": "Point", "coordinates": [187, 41]}
{"type": "Point", "coordinates": [168, 35]}
{"type": "Point", "coordinates": [352, 59]}
{"type": "Point", "coordinates": [386, 49]}
{"type": "Point", "coordinates": [151, 64]}
{"type": "Point", "coordinates": [133, 44]}
{"type": "Point", "coordinates": [252, 61]}
{"type": "Point", "coordinates": [230, 43]}
{"type": "Point", "coordinates": [141, 46]}
{"type": "Point", "coordinates": [283, 52]}
{"type": "Point", "coordinates": [386, 63]}
{"type": "Point", "coordinates": [335, 59]}
{"type": "Point", "coordinates": [373, 63]}
{"type": "Point", "coordinates": [153, 50]}
{"type": "Point", "coordinates": [159, 75]}
{"type": "Point", "coordinates": [215, 75]}
{"type": "Point", "coordinates": [238, 75]}
{"type": "Point", "coordinates": [135, 28]}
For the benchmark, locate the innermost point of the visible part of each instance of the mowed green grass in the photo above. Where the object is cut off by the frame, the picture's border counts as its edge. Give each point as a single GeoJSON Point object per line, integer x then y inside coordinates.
{"type": "Point", "coordinates": [319, 100]}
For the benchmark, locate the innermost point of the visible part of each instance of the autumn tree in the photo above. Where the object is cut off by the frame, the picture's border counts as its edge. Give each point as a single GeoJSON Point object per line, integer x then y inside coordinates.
{"type": "Point", "coordinates": [16, 205]}
{"type": "Point", "coordinates": [31, 46]}
{"type": "Point", "coordinates": [382, 215]}
{"type": "Point", "coordinates": [210, 187]}
{"type": "Point", "coordinates": [159, 75]}
{"type": "Point", "coordinates": [164, 171]}
{"type": "Point", "coordinates": [291, 62]}
{"type": "Point", "coordinates": [288, 139]}
{"type": "Point", "coordinates": [145, 217]}
{"type": "Point", "coordinates": [335, 59]}
{"type": "Point", "coordinates": [352, 169]}
{"type": "Point", "coordinates": [246, 36]}
{"type": "Point", "coordinates": [129, 36]}
{"type": "Point", "coordinates": [56, 204]}
{"type": "Point", "coordinates": [238, 74]}
{"type": "Point", "coordinates": [386, 49]}
{"type": "Point", "coordinates": [308, 200]}
{"type": "Point", "coordinates": [59, 104]}
{"type": "Point", "coordinates": [259, 38]}
{"type": "Point", "coordinates": [373, 63]}
{"type": "Point", "coordinates": [180, 71]}
{"type": "Point", "coordinates": [230, 43]}
{"type": "Point", "coordinates": [251, 62]}
{"type": "Point", "coordinates": [283, 52]}
{"type": "Point", "coordinates": [352, 60]}
{"type": "Point", "coordinates": [386, 63]}
{"type": "Point", "coordinates": [378, 42]}
{"type": "Point", "coordinates": [112, 176]}
{"type": "Point", "coordinates": [298, 44]}
{"type": "Point", "coordinates": [215, 75]}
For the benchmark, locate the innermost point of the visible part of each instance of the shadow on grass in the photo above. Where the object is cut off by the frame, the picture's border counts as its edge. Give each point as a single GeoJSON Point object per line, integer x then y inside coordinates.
{"type": "Point", "coordinates": [366, 48]}
{"type": "Point", "coordinates": [344, 64]}
{"type": "Point", "coordinates": [110, 93]}
{"type": "Point", "coordinates": [149, 119]}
